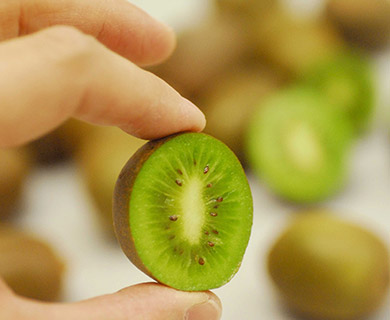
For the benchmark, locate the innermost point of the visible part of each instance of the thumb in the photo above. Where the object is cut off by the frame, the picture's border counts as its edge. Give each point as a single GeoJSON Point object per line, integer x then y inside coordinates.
{"type": "Point", "coordinates": [144, 301]}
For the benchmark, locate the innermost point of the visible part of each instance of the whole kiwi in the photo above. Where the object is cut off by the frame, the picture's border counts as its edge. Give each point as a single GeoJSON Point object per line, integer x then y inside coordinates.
{"type": "Point", "coordinates": [325, 268]}
{"type": "Point", "coordinates": [294, 44]}
{"type": "Point", "coordinates": [14, 167]}
{"type": "Point", "coordinates": [29, 266]}
{"type": "Point", "coordinates": [101, 158]}
{"type": "Point", "coordinates": [365, 22]}
{"type": "Point", "coordinates": [229, 103]}
{"type": "Point", "coordinates": [202, 54]}
{"type": "Point", "coordinates": [62, 143]}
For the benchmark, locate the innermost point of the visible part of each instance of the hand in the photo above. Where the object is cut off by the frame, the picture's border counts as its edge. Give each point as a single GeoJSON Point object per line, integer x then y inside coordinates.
{"type": "Point", "coordinates": [53, 73]}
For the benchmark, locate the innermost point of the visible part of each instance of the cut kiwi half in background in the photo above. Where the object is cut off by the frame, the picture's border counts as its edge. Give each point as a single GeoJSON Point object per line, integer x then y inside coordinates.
{"type": "Point", "coordinates": [327, 268]}
{"type": "Point", "coordinates": [347, 81]}
{"type": "Point", "coordinates": [15, 164]}
{"type": "Point", "coordinates": [364, 22]}
{"type": "Point", "coordinates": [102, 155]}
{"type": "Point", "coordinates": [299, 145]}
{"type": "Point", "coordinates": [183, 211]}
{"type": "Point", "coordinates": [29, 266]}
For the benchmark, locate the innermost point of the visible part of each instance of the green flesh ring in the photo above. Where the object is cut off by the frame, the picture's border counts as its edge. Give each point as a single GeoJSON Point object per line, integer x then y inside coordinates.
{"type": "Point", "coordinates": [299, 145]}
{"type": "Point", "coordinates": [183, 211]}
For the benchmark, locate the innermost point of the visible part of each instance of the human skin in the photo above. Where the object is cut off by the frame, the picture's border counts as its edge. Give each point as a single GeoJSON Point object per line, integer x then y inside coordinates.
{"type": "Point", "coordinates": [69, 58]}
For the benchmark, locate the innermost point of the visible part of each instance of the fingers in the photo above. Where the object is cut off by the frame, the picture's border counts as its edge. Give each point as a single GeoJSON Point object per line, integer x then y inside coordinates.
{"type": "Point", "coordinates": [144, 301]}
{"type": "Point", "coordinates": [121, 26]}
{"type": "Point", "coordinates": [67, 73]}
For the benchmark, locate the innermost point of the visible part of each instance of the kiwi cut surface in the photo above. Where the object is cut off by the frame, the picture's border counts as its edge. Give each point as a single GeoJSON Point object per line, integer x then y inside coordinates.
{"type": "Point", "coordinates": [347, 81]}
{"type": "Point", "coordinates": [327, 268]}
{"type": "Point", "coordinates": [29, 266]}
{"type": "Point", "coordinates": [183, 211]}
{"type": "Point", "coordinates": [299, 145]}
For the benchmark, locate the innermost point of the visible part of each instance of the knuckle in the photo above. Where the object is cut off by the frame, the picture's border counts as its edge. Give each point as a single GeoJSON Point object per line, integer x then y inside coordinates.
{"type": "Point", "coordinates": [68, 43]}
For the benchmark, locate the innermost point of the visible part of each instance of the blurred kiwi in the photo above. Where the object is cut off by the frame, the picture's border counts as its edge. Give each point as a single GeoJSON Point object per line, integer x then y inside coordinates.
{"type": "Point", "coordinates": [245, 8]}
{"type": "Point", "coordinates": [60, 144]}
{"type": "Point", "coordinates": [325, 268]}
{"type": "Point", "coordinates": [347, 81]}
{"type": "Point", "coordinates": [29, 266]}
{"type": "Point", "coordinates": [101, 158]}
{"type": "Point", "coordinates": [229, 103]}
{"type": "Point", "coordinates": [202, 54]}
{"type": "Point", "coordinates": [364, 22]}
{"type": "Point", "coordinates": [294, 44]}
{"type": "Point", "coordinates": [15, 165]}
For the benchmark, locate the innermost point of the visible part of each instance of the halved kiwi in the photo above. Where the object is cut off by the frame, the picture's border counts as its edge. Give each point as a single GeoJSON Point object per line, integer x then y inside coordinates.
{"type": "Point", "coordinates": [326, 268]}
{"type": "Point", "coordinates": [29, 266]}
{"type": "Point", "coordinates": [347, 81]}
{"type": "Point", "coordinates": [299, 145]}
{"type": "Point", "coordinates": [183, 211]}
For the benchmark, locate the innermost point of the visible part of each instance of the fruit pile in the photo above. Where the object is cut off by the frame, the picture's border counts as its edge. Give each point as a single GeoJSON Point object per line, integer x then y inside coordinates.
{"type": "Point", "coordinates": [289, 95]}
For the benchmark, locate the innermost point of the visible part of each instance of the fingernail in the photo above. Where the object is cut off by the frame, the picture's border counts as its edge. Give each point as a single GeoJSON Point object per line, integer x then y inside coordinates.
{"type": "Point", "coordinates": [194, 114]}
{"type": "Point", "coordinates": [208, 310]}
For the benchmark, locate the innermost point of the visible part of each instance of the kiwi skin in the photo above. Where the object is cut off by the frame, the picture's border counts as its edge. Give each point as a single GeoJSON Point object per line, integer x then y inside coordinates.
{"type": "Point", "coordinates": [123, 188]}
{"type": "Point", "coordinates": [326, 268]}
{"type": "Point", "coordinates": [15, 165]}
{"type": "Point", "coordinates": [101, 157]}
{"type": "Point", "coordinates": [363, 22]}
{"type": "Point", "coordinates": [29, 266]}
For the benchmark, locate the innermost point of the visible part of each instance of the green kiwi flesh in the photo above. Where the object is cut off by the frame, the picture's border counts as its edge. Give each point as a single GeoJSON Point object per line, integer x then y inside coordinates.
{"type": "Point", "coordinates": [299, 145]}
{"type": "Point", "coordinates": [347, 82]}
{"type": "Point", "coordinates": [183, 211]}
{"type": "Point", "coordinates": [29, 266]}
{"type": "Point", "coordinates": [326, 268]}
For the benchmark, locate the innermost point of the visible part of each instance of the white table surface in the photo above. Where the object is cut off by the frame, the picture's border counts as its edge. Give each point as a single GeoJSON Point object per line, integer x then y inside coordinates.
{"type": "Point", "coordinates": [57, 208]}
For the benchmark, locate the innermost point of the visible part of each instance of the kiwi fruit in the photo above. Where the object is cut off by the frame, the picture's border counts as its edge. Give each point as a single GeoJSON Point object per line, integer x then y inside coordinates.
{"type": "Point", "coordinates": [245, 7]}
{"type": "Point", "coordinates": [101, 157]}
{"type": "Point", "coordinates": [202, 54]}
{"type": "Point", "coordinates": [183, 211]}
{"type": "Point", "coordinates": [60, 144]}
{"type": "Point", "coordinates": [347, 81]}
{"type": "Point", "coordinates": [299, 145]}
{"type": "Point", "coordinates": [15, 165]}
{"type": "Point", "coordinates": [364, 22]}
{"type": "Point", "coordinates": [294, 44]}
{"type": "Point", "coordinates": [326, 268]}
{"type": "Point", "coordinates": [29, 266]}
{"type": "Point", "coordinates": [229, 103]}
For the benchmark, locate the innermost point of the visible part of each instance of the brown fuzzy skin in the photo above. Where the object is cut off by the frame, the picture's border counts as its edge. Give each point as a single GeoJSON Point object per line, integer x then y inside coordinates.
{"type": "Point", "coordinates": [29, 266]}
{"type": "Point", "coordinates": [121, 200]}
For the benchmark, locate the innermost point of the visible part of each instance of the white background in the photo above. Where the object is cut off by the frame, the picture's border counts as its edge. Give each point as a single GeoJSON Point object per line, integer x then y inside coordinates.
{"type": "Point", "coordinates": [58, 208]}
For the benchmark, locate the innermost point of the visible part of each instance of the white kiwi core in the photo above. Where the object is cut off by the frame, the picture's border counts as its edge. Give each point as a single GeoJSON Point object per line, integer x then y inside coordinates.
{"type": "Point", "coordinates": [192, 210]}
{"type": "Point", "coordinates": [304, 148]}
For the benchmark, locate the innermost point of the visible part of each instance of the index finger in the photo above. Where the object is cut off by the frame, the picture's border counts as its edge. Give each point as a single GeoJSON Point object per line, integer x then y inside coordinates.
{"type": "Point", "coordinates": [119, 25]}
